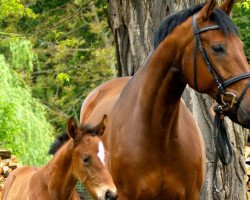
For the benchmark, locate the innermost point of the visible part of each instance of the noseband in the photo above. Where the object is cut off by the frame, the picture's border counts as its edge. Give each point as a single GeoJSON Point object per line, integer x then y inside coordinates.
{"type": "Point", "coordinates": [222, 144]}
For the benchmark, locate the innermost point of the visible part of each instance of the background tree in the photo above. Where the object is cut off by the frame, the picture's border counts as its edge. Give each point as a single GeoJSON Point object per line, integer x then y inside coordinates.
{"type": "Point", "coordinates": [133, 25]}
{"type": "Point", "coordinates": [23, 124]}
{"type": "Point", "coordinates": [73, 49]}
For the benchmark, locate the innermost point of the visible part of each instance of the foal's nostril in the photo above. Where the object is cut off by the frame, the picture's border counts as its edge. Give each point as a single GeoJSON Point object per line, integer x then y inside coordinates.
{"type": "Point", "coordinates": [110, 195]}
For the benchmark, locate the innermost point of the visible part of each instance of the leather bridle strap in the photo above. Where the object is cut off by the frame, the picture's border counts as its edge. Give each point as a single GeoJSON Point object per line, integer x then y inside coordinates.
{"type": "Point", "coordinates": [235, 79]}
{"type": "Point", "coordinates": [222, 144]}
{"type": "Point", "coordinates": [242, 95]}
{"type": "Point", "coordinates": [197, 41]}
{"type": "Point", "coordinates": [220, 82]}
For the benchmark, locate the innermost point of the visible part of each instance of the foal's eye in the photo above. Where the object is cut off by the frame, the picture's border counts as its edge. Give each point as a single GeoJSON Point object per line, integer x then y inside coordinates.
{"type": "Point", "coordinates": [86, 160]}
{"type": "Point", "coordinates": [219, 48]}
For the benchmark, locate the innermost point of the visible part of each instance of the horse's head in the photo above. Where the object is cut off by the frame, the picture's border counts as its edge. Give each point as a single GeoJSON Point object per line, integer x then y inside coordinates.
{"type": "Point", "coordinates": [89, 160]}
{"type": "Point", "coordinates": [214, 62]}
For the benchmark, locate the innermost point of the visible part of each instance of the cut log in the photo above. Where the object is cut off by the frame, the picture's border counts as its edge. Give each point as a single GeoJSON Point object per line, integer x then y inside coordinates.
{"type": "Point", "coordinates": [4, 154]}
{"type": "Point", "coordinates": [6, 174]}
{"type": "Point", "coordinates": [12, 167]}
{"type": "Point", "coordinates": [5, 169]}
{"type": "Point", "coordinates": [248, 161]}
{"type": "Point", "coordinates": [247, 152]}
{"type": "Point", "coordinates": [247, 169]}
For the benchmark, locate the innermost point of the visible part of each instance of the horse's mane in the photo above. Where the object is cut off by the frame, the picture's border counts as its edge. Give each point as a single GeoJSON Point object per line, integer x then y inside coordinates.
{"type": "Point", "coordinates": [61, 139]}
{"type": "Point", "coordinates": [172, 21]}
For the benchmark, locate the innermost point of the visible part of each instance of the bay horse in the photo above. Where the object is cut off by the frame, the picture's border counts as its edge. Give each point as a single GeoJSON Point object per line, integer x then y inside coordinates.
{"type": "Point", "coordinates": [101, 101]}
{"type": "Point", "coordinates": [150, 134]}
{"type": "Point", "coordinates": [81, 157]}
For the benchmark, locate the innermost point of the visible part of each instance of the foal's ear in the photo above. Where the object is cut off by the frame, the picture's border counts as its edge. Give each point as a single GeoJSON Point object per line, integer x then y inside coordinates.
{"type": "Point", "coordinates": [72, 128]}
{"type": "Point", "coordinates": [102, 126]}
{"type": "Point", "coordinates": [227, 6]}
{"type": "Point", "coordinates": [206, 11]}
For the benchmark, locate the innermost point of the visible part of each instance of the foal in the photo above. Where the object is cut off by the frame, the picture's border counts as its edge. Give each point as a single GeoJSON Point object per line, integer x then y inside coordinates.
{"type": "Point", "coordinates": [80, 158]}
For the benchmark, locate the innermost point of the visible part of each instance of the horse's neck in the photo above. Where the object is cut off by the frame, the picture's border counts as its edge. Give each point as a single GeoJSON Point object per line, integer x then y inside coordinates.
{"type": "Point", "coordinates": [58, 172]}
{"type": "Point", "coordinates": [162, 85]}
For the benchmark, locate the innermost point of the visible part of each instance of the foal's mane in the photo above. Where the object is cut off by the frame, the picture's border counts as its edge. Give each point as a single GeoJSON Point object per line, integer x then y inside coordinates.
{"type": "Point", "coordinates": [63, 138]}
{"type": "Point", "coordinates": [170, 22]}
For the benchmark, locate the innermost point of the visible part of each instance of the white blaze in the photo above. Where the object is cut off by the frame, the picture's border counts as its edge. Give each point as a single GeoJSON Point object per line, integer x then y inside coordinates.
{"type": "Point", "coordinates": [101, 152]}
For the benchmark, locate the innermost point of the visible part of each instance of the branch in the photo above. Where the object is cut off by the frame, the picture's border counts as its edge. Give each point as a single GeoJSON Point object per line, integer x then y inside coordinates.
{"type": "Point", "coordinates": [68, 33]}
{"type": "Point", "coordinates": [52, 107]}
{"type": "Point", "coordinates": [55, 26]}
{"type": "Point", "coordinates": [73, 16]}
{"type": "Point", "coordinates": [42, 72]}
{"type": "Point", "coordinates": [59, 7]}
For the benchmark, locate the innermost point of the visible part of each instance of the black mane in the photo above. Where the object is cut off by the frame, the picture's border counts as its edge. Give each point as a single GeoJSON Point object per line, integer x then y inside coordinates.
{"type": "Point", "coordinates": [172, 21]}
{"type": "Point", "coordinates": [61, 139]}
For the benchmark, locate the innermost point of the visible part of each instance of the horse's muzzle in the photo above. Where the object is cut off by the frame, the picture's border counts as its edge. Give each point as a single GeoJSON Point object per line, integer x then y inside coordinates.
{"type": "Point", "coordinates": [242, 117]}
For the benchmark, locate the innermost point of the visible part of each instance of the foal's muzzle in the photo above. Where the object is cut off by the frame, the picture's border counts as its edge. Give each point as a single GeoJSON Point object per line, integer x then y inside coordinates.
{"type": "Point", "coordinates": [110, 195]}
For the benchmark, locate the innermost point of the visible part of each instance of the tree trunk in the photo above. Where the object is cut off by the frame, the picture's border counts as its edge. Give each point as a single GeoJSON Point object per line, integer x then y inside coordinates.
{"type": "Point", "coordinates": [133, 24]}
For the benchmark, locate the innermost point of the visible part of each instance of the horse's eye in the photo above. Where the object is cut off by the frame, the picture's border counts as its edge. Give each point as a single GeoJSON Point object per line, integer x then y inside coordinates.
{"type": "Point", "coordinates": [219, 48]}
{"type": "Point", "coordinates": [86, 160]}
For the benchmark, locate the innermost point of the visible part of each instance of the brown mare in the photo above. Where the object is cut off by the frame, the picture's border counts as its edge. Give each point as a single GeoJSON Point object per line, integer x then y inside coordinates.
{"type": "Point", "coordinates": [80, 158]}
{"type": "Point", "coordinates": [152, 139]}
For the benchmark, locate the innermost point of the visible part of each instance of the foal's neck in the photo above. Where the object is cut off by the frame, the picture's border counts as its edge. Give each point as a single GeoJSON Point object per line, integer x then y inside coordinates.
{"type": "Point", "coordinates": [58, 173]}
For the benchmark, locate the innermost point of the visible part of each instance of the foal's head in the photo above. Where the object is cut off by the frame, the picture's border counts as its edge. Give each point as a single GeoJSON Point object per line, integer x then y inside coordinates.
{"type": "Point", "coordinates": [89, 160]}
{"type": "Point", "coordinates": [211, 55]}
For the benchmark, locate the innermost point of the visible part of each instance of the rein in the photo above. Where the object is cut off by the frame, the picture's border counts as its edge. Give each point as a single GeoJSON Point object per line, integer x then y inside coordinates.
{"type": "Point", "coordinates": [222, 144]}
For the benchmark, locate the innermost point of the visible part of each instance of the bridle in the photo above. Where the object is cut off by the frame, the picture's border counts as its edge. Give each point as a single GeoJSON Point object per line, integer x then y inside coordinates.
{"type": "Point", "coordinates": [220, 82]}
{"type": "Point", "coordinates": [222, 143]}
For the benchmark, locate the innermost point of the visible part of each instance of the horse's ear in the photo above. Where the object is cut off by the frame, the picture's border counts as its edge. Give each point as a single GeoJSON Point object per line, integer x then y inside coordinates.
{"type": "Point", "coordinates": [206, 11]}
{"type": "Point", "coordinates": [227, 6]}
{"type": "Point", "coordinates": [102, 126]}
{"type": "Point", "coordinates": [72, 128]}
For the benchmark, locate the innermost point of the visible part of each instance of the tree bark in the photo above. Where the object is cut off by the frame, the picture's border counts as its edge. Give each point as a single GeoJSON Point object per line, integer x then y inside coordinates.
{"type": "Point", "coordinates": [133, 24]}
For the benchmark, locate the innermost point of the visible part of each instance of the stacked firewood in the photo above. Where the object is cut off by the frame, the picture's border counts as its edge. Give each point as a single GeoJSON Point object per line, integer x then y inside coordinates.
{"type": "Point", "coordinates": [8, 163]}
{"type": "Point", "coordinates": [247, 163]}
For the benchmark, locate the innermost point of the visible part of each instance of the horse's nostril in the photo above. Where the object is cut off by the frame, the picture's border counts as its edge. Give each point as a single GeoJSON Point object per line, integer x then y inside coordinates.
{"type": "Point", "coordinates": [115, 197]}
{"type": "Point", "coordinates": [110, 195]}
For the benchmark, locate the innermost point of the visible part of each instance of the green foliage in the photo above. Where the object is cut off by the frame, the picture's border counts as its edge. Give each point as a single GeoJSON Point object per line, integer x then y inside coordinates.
{"type": "Point", "coordinates": [14, 9]}
{"type": "Point", "coordinates": [73, 52]}
{"type": "Point", "coordinates": [19, 53]}
{"type": "Point", "coordinates": [24, 128]}
{"type": "Point", "coordinates": [244, 4]}
{"type": "Point", "coordinates": [63, 77]}
{"type": "Point", "coordinates": [74, 56]}
{"type": "Point", "coordinates": [241, 17]}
